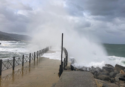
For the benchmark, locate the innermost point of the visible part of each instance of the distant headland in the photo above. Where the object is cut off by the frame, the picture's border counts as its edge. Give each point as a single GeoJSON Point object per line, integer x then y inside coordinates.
{"type": "Point", "coordinates": [13, 37]}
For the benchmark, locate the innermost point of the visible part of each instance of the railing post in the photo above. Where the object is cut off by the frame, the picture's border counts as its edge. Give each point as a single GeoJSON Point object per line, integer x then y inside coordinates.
{"type": "Point", "coordinates": [64, 63]}
{"type": "Point", "coordinates": [62, 48]}
{"type": "Point", "coordinates": [66, 57]}
{"type": "Point", "coordinates": [22, 60]}
{"type": "Point", "coordinates": [59, 70]}
{"type": "Point", "coordinates": [37, 54]}
{"type": "Point", "coordinates": [62, 68]}
{"type": "Point", "coordinates": [13, 63]}
{"type": "Point", "coordinates": [34, 56]}
{"type": "Point", "coordinates": [29, 58]}
{"type": "Point", "coordinates": [0, 67]}
{"type": "Point", "coordinates": [66, 60]}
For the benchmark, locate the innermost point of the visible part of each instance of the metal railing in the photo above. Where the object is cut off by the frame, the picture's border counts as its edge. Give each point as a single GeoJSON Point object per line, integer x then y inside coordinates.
{"type": "Point", "coordinates": [13, 62]}
{"type": "Point", "coordinates": [64, 62]}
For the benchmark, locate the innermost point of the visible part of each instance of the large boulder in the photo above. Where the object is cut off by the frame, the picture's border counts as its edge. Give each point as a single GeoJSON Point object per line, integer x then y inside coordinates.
{"type": "Point", "coordinates": [112, 74]}
{"type": "Point", "coordinates": [98, 69]}
{"type": "Point", "coordinates": [108, 65]}
{"type": "Point", "coordinates": [108, 68]}
{"type": "Point", "coordinates": [119, 76]}
{"type": "Point", "coordinates": [104, 77]}
{"type": "Point", "coordinates": [104, 73]}
{"type": "Point", "coordinates": [119, 67]}
{"type": "Point", "coordinates": [105, 85]}
{"type": "Point", "coordinates": [93, 69]}
{"type": "Point", "coordinates": [112, 80]}
{"type": "Point", "coordinates": [95, 74]}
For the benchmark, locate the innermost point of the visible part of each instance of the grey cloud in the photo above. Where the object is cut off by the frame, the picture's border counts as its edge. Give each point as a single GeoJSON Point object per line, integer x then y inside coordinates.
{"type": "Point", "coordinates": [10, 21]}
{"type": "Point", "coordinates": [102, 8]}
{"type": "Point", "coordinates": [21, 6]}
{"type": "Point", "coordinates": [107, 20]}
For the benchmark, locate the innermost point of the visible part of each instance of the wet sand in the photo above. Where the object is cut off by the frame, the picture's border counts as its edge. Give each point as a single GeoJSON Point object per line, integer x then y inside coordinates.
{"type": "Point", "coordinates": [42, 73]}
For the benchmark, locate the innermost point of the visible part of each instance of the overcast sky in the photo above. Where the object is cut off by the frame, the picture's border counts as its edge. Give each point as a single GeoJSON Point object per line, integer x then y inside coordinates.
{"type": "Point", "coordinates": [103, 18]}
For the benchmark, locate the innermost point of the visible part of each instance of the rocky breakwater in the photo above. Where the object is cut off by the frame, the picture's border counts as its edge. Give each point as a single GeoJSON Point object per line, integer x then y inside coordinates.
{"type": "Point", "coordinates": [108, 75]}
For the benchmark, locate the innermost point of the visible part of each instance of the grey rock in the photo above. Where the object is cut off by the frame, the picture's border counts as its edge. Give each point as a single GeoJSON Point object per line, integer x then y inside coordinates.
{"type": "Point", "coordinates": [105, 85]}
{"type": "Point", "coordinates": [104, 73]}
{"type": "Point", "coordinates": [98, 69]}
{"type": "Point", "coordinates": [108, 68]}
{"type": "Point", "coordinates": [108, 65]}
{"type": "Point", "coordinates": [104, 77]}
{"type": "Point", "coordinates": [93, 70]}
{"type": "Point", "coordinates": [116, 71]}
{"type": "Point", "coordinates": [112, 74]}
{"type": "Point", "coordinates": [112, 80]}
{"type": "Point", "coordinates": [119, 67]}
{"type": "Point", "coordinates": [119, 76]}
{"type": "Point", "coordinates": [95, 74]}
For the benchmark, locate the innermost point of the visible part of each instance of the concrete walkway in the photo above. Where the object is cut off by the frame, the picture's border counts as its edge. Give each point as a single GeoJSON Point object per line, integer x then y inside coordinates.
{"type": "Point", "coordinates": [76, 79]}
{"type": "Point", "coordinates": [42, 73]}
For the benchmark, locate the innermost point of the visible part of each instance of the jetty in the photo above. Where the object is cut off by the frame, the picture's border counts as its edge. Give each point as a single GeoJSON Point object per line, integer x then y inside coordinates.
{"type": "Point", "coordinates": [44, 73]}
{"type": "Point", "coordinates": [38, 70]}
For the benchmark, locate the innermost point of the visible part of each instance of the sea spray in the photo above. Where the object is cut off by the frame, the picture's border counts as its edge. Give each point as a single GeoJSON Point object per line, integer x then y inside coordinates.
{"type": "Point", "coordinates": [51, 21]}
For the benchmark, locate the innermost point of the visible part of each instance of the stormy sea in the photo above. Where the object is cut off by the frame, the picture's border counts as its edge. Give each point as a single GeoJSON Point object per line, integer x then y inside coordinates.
{"type": "Point", "coordinates": [9, 49]}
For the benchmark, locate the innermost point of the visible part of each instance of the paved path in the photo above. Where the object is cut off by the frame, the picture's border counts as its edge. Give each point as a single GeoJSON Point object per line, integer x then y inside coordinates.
{"type": "Point", "coordinates": [76, 79]}
{"type": "Point", "coordinates": [42, 73]}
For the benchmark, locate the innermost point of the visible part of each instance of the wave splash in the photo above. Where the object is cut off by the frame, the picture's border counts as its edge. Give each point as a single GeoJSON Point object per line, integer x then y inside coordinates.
{"type": "Point", "coordinates": [113, 60]}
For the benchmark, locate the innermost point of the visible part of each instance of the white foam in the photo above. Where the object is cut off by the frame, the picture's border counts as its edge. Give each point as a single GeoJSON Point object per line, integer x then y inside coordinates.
{"type": "Point", "coordinates": [113, 60]}
{"type": "Point", "coordinates": [55, 54]}
{"type": "Point", "coordinates": [12, 46]}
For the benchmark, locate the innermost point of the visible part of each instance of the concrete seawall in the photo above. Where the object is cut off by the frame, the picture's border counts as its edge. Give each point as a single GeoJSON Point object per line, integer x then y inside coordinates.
{"type": "Point", "coordinates": [76, 79]}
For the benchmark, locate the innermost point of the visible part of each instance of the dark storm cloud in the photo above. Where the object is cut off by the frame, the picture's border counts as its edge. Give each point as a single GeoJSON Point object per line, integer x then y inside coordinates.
{"type": "Point", "coordinates": [10, 20]}
{"type": "Point", "coordinates": [103, 18]}
{"type": "Point", "coordinates": [106, 18]}
{"type": "Point", "coordinates": [102, 8]}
